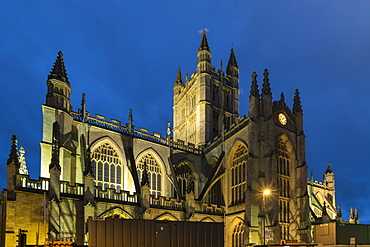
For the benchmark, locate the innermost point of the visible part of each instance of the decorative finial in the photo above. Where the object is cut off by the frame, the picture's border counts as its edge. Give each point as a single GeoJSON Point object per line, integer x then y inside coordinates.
{"type": "Point", "coordinates": [83, 101]}
{"type": "Point", "coordinates": [266, 85]}
{"type": "Point", "coordinates": [328, 169]}
{"type": "Point", "coordinates": [22, 162]}
{"type": "Point", "coordinates": [297, 107]}
{"type": "Point", "coordinates": [232, 61]}
{"type": "Point", "coordinates": [130, 121]}
{"type": "Point", "coordinates": [59, 70]}
{"type": "Point", "coordinates": [179, 77]}
{"type": "Point", "coordinates": [254, 87]}
{"type": "Point", "coordinates": [204, 42]}
{"type": "Point", "coordinates": [13, 155]}
{"type": "Point", "coordinates": [169, 129]}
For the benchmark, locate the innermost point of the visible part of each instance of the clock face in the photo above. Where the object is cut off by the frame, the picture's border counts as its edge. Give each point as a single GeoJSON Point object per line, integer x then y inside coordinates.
{"type": "Point", "coordinates": [282, 118]}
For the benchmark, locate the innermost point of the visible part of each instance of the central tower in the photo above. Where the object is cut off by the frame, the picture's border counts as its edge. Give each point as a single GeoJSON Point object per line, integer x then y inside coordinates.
{"type": "Point", "coordinates": [207, 103]}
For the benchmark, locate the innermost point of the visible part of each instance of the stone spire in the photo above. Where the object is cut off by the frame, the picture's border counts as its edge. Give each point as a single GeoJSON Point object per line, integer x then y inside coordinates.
{"type": "Point", "coordinates": [204, 42]}
{"type": "Point", "coordinates": [297, 107]}
{"type": "Point", "coordinates": [179, 80]}
{"type": "Point", "coordinates": [83, 107]}
{"type": "Point", "coordinates": [254, 99]}
{"type": "Point", "coordinates": [266, 96]}
{"type": "Point", "coordinates": [204, 55]}
{"type": "Point", "coordinates": [13, 155]}
{"type": "Point", "coordinates": [12, 168]}
{"type": "Point", "coordinates": [232, 70]}
{"type": "Point", "coordinates": [130, 121]}
{"type": "Point", "coordinates": [22, 162]}
{"type": "Point", "coordinates": [59, 70]}
{"type": "Point", "coordinates": [282, 98]}
{"type": "Point", "coordinates": [328, 169]}
{"type": "Point", "coordinates": [339, 215]}
{"type": "Point", "coordinates": [325, 215]}
{"type": "Point", "coordinates": [254, 88]}
{"type": "Point", "coordinates": [266, 90]}
{"type": "Point", "coordinates": [232, 60]}
{"type": "Point", "coordinates": [59, 87]}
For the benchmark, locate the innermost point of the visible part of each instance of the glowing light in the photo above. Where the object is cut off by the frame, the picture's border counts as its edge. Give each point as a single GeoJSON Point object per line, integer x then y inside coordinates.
{"type": "Point", "coordinates": [267, 192]}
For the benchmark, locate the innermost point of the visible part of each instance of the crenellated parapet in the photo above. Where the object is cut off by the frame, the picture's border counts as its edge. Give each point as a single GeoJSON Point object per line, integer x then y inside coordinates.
{"type": "Point", "coordinates": [115, 125]}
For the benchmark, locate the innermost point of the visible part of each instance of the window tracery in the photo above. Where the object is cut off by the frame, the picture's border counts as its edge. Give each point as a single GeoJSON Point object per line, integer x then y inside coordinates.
{"type": "Point", "coordinates": [283, 170]}
{"type": "Point", "coordinates": [184, 176]}
{"type": "Point", "coordinates": [154, 173]}
{"type": "Point", "coordinates": [106, 162]}
{"type": "Point", "coordinates": [238, 175]}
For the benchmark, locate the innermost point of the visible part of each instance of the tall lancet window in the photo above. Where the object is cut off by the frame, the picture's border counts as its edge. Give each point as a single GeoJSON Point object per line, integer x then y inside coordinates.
{"type": "Point", "coordinates": [154, 173]}
{"type": "Point", "coordinates": [107, 167]}
{"type": "Point", "coordinates": [238, 175]}
{"type": "Point", "coordinates": [283, 170]}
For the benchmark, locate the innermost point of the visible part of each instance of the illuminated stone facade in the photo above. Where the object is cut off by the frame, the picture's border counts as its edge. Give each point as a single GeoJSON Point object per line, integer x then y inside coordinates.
{"type": "Point", "coordinates": [212, 166]}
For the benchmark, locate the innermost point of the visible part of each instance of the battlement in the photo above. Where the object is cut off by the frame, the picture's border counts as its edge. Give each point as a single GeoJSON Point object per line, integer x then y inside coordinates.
{"type": "Point", "coordinates": [317, 184]}
{"type": "Point", "coordinates": [115, 125]}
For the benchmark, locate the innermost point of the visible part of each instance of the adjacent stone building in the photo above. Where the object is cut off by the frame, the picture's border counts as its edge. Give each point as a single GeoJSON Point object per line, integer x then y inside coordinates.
{"type": "Point", "coordinates": [213, 165]}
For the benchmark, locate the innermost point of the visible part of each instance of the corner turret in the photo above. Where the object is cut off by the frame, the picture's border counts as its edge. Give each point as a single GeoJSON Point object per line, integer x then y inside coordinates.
{"type": "Point", "coordinates": [298, 112]}
{"type": "Point", "coordinates": [12, 164]}
{"type": "Point", "coordinates": [329, 181]}
{"type": "Point", "coordinates": [232, 70]}
{"type": "Point", "coordinates": [179, 83]}
{"type": "Point", "coordinates": [204, 55]}
{"type": "Point", "coordinates": [59, 87]}
{"type": "Point", "coordinates": [266, 97]}
{"type": "Point", "coordinates": [254, 98]}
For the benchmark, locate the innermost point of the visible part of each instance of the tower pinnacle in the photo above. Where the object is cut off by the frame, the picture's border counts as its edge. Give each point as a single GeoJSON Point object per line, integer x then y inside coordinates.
{"type": "Point", "coordinates": [59, 70]}
{"type": "Point", "coordinates": [297, 107]}
{"type": "Point", "coordinates": [266, 84]}
{"type": "Point", "coordinates": [13, 155]}
{"type": "Point", "coordinates": [254, 87]}
{"type": "Point", "coordinates": [204, 42]}
{"type": "Point", "coordinates": [179, 78]}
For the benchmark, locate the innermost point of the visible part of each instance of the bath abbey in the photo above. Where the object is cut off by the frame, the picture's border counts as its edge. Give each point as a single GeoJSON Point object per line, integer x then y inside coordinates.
{"type": "Point", "coordinates": [248, 172]}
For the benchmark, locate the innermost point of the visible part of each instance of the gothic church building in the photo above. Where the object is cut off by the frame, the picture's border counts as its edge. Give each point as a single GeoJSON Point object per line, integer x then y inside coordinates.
{"type": "Point", "coordinates": [213, 165]}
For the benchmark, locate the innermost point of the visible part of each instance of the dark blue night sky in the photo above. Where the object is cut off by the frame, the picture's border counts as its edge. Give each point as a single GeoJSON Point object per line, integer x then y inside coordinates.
{"type": "Point", "coordinates": [125, 54]}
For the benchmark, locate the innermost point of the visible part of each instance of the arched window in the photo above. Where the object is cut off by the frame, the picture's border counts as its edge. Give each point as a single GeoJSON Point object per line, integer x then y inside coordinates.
{"type": "Point", "coordinates": [154, 174]}
{"type": "Point", "coordinates": [283, 170]}
{"type": "Point", "coordinates": [184, 176]}
{"type": "Point", "coordinates": [237, 238]}
{"type": "Point", "coordinates": [107, 166]}
{"type": "Point", "coordinates": [238, 175]}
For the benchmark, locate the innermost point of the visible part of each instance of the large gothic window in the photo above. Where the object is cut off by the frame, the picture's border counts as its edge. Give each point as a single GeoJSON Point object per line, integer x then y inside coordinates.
{"type": "Point", "coordinates": [154, 173]}
{"type": "Point", "coordinates": [184, 177]}
{"type": "Point", "coordinates": [283, 170]}
{"type": "Point", "coordinates": [238, 175]}
{"type": "Point", "coordinates": [107, 167]}
{"type": "Point", "coordinates": [237, 237]}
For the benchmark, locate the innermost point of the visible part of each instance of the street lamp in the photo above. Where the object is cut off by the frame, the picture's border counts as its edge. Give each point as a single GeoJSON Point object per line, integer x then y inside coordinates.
{"type": "Point", "coordinates": [266, 192]}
